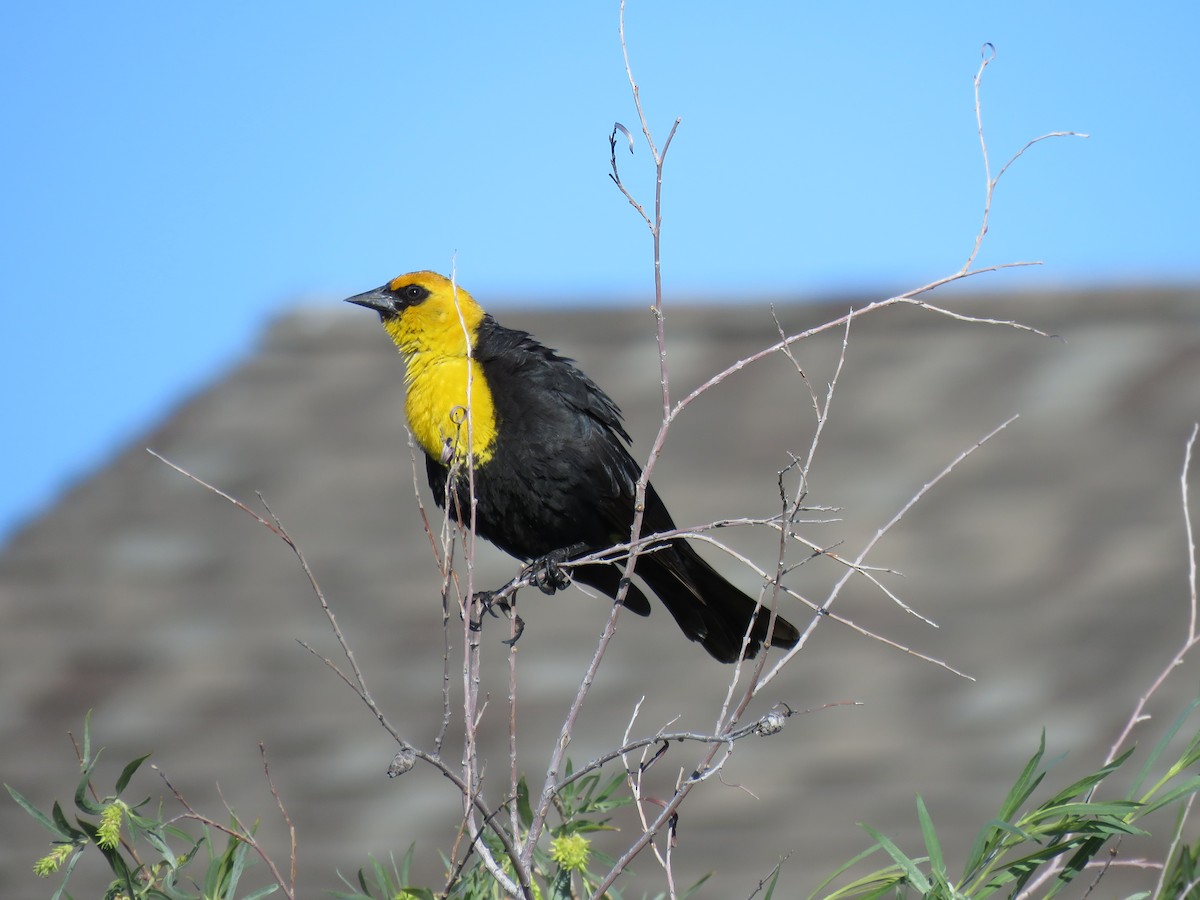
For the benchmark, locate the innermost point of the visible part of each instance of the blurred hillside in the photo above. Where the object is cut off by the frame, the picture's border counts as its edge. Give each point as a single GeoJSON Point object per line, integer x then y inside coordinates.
{"type": "Point", "coordinates": [1054, 560]}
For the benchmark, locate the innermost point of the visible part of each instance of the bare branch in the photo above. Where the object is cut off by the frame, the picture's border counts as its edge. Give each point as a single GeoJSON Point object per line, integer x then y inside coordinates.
{"type": "Point", "coordinates": [833, 594]}
{"type": "Point", "coordinates": [287, 820]}
{"type": "Point", "coordinates": [988, 53]}
{"type": "Point", "coordinates": [359, 686]}
{"type": "Point", "coordinates": [1139, 712]}
{"type": "Point", "coordinates": [237, 833]}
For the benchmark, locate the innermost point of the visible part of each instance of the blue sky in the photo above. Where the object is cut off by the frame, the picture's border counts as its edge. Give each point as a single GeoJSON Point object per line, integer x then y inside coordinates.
{"type": "Point", "coordinates": [175, 174]}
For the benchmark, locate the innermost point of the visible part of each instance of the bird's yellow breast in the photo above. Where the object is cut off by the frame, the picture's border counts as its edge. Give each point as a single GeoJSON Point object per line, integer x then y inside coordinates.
{"type": "Point", "coordinates": [449, 403]}
{"type": "Point", "coordinates": [441, 391]}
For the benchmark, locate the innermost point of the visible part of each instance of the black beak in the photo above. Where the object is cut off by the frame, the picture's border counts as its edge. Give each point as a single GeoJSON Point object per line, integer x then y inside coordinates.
{"type": "Point", "coordinates": [379, 300]}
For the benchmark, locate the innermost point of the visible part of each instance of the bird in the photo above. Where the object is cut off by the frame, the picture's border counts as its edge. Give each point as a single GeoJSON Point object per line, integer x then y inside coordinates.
{"type": "Point", "coordinates": [547, 455]}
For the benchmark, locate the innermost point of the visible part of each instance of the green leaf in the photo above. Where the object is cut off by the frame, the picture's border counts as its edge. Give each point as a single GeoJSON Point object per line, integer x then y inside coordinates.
{"type": "Point", "coordinates": [569, 791]}
{"type": "Point", "coordinates": [155, 840]}
{"type": "Point", "coordinates": [1188, 787]}
{"type": "Point", "coordinates": [1088, 782]}
{"type": "Point", "coordinates": [1025, 784]}
{"type": "Point", "coordinates": [583, 826]}
{"type": "Point", "coordinates": [115, 860]}
{"type": "Point", "coordinates": [845, 867]}
{"type": "Point", "coordinates": [983, 846]}
{"type": "Point", "coordinates": [560, 887]}
{"type": "Point", "coordinates": [908, 865]}
{"type": "Point", "coordinates": [215, 877]}
{"type": "Point", "coordinates": [1022, 869]}
{"type": "Point", "coordinates": [769, 883]}
{"type": "Point", "coordinates": [60, 819]}
{"type": "Point", "coordinates": [1184, 868]}
{"type": "Point", "coordinates": [874, 885]}
{"type": "Point", "coordinates": [383, 878]}
{"type": "Point", "coordinates": [362, 882]}
{"type": "Point", "coordinates": [987, 843]}
{"type": "Point", "coordinates": [82, 801]}
{"type": "Point", "coordinates": [1161, 746]}
{"type": "Point", "coordinates": [999, 837]}
{"type": "Point", "coordinates": [128, 771]}
{"type": "Point", "coordinates": [703, 878]}
{"type": "Point", "coordinates": [236, 855]}
{"type": "Point", "coordinates": [66, 833]}
{"type": "Point", "coordinates": [933, 847]}
{"type": "Point", "coordinates": [263, 892]}
{"type": "Point", "coordinates": [1073, 866]}
{"type": "Point", "coordinates": [606, 792]}
{"type": "Point", "coordinates": [1081, 809]}
{"type": "Point", "coordinates": [87, 739]}
{"type": "Point", "coordinates": [405, 864]}
{"type": "Point", "coordinates": [62, 887]}
{"type": "Point", "coordinates": [524, 810]}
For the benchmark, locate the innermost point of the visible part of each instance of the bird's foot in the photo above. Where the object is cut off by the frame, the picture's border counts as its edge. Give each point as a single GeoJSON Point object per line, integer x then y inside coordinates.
{"type": "Point", "coordinates": [518, 630]}
{"type": "Point", "coordinates": [546, 572]}
{"type": "Point", "coordinates": [490, 602]}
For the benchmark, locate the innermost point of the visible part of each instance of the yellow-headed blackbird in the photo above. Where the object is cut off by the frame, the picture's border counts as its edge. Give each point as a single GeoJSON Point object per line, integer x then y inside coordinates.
{"type": "Point", "coordinates": [552, 472]}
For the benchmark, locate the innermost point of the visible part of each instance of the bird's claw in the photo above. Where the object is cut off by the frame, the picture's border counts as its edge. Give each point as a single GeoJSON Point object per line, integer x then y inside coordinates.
{"type": "Point", "coordinates": [490, 601]}
{"type": "Point", "coordinates": [518, 630]}
{"type": "Point", "coordinates": [547, 576]}
{"type": "Point", "coordinates": [546, 572]}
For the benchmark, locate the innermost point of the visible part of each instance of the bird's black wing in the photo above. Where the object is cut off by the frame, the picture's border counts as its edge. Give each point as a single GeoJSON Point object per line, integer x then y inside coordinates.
{"type": "Point", "coordinates": [562, 475]}
{"type": "Point", "coordinates": [560, 462]}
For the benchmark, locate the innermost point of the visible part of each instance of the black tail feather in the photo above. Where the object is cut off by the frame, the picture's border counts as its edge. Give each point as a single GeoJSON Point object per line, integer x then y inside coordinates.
{"type": "Point", "coordinates": [607, 578]}
{"type": "Point", "coordinates": [707, 607]}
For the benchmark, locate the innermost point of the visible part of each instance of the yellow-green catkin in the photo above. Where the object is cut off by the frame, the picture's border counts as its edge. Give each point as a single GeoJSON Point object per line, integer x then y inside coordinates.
{"type": "Point", "coordinates": [570, 851]}
{"type": "Point", "coordinates": [108, 835]}
{"type": "Point", "coordinates": [50, 863]}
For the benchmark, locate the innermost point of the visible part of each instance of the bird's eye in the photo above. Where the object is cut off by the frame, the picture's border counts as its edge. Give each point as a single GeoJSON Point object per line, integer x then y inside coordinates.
{"type": "Point", "coordinates": [406, 295]}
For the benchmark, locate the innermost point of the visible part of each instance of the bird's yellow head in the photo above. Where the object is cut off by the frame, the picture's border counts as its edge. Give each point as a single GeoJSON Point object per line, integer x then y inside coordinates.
{"type": "Point", "coordinates": [435, 324]}
{"type": "Point", "coordinates": [425, 312]}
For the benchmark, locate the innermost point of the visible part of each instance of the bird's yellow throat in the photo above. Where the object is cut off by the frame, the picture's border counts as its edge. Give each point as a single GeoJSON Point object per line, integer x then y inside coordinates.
{"type": "Point", "coordinates": [449, 403]}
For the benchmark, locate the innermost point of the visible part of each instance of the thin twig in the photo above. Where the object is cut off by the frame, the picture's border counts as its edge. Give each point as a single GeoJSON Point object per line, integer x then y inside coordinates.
{"type": "Point", "coordinates": [238, 833]}
{"type": "Point", "coordinates": [762, 727]}
{"type": "Point", "coordinates": [568, 727]}
{"type": "Point", "coordinates": [557, 755]}
{"type": "Point", "coordinates": [357, 683]}
{"type": "Point", "coordinates": [1193, 637]}
{"type": "Point", "coordinates": [833, 594]}
{"type": "Point", "coordinates": [287, 820]}
{"type": "Point", "coordinates": [988, 54]}
{"type": "Point", "coordinates": [1176, 840]}
{"type": "Point", "coordinates": [762, 882]}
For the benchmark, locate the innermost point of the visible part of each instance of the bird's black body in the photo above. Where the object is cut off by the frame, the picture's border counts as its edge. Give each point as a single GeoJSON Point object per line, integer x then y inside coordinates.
{"type": "Point", "coordinates": [562, 476]}
{"type": "Point", "coordinates": [552, 470]}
